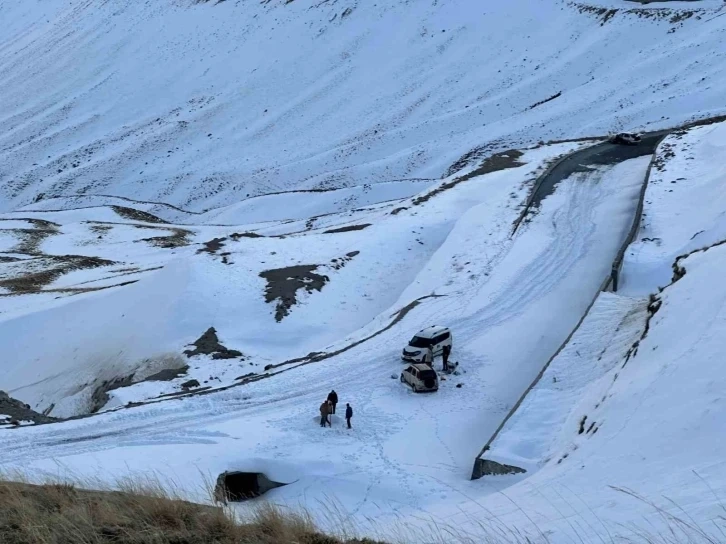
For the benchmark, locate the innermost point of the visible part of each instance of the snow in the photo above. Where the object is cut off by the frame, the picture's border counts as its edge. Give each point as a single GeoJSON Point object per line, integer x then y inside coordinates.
{"type": "Point", "coordinates": [265, 126]}
{"type": "Point", "coordinates": [381, 461]}
{"type": "Point", "coordinates": [201, 105]}
{"type": "Point", "coordinates": [530, 438]}
{"type": "Point", "coordinates": [685, 205]}
{"type": "Point", "coordinates": [652, 445]}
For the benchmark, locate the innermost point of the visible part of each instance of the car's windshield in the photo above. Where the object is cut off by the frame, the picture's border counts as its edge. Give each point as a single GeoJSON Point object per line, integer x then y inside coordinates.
{"type": "Point", "coordinates": [426, 374]}
{"type": "Point", "coordinates": [418, 342]}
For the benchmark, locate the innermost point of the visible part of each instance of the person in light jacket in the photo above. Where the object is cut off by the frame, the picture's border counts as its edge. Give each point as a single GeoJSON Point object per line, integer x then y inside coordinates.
{"type": "Point", "coordinates": [324, 411]}
{"type": "Point", "coordinates": [428, 358]}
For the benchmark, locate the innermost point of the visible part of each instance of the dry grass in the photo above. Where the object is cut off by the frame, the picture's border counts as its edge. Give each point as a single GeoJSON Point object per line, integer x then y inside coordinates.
{"type": "Point", "coordinates": [141, 512]}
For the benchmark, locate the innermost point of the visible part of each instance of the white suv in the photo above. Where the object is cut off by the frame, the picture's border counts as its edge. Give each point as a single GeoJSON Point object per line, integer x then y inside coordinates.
{"type": "Point", "coordinates": [625, 138]}
{"type": "Point", "coordinates": [435, 337]}
{"type": "Point", "coordinates": [420, 378]}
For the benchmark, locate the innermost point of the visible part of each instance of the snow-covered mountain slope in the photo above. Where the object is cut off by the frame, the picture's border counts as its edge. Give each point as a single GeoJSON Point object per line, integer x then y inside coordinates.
{"type": "Point", "coordinates": [408, 454]}
{"type": "Point", "coordinates": [201, 104]}
{"type": "Point", "coordinates": [356, 268]}
{"type": "Point", "coordinates": [319, 181]}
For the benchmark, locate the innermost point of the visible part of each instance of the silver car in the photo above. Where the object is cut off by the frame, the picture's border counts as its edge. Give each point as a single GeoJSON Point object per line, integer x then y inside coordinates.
{"type": "Point", "coordinates": [420, 378]}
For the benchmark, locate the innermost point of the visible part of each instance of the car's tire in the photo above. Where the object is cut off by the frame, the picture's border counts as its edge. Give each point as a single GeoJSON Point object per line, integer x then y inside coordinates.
{"type": "Point", "coordinates": [415, 389]}
{"type": "Point", "coordinates": [401, 378]}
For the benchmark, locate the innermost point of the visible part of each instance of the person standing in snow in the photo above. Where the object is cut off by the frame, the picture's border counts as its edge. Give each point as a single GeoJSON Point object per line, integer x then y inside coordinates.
{"type": "Point", "coordinates": [445, 356]}
{"type": "Point", "coordinates": [428, 357]}
{"type": "Point", "coordinates": [333, 399]}
{"type": "Point", "coordinates": [324, 411]}
{"type": "Point", "coordinates": [348, 413]}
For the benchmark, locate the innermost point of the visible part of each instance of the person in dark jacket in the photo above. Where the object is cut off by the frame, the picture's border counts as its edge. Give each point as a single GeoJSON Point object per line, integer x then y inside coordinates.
{"type": "Point", "coordinates": [445, 352]}
{"type": "Point", "coordinates": [348, 413]}
{"type": "Point", "coordinates": [333, 398]}
{"type": "Point", "coordinates": [324, 411]}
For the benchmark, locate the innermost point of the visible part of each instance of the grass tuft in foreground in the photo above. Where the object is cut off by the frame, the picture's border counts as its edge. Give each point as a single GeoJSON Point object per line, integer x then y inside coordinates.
{"type": "Point", "coordinates": [64, 514]}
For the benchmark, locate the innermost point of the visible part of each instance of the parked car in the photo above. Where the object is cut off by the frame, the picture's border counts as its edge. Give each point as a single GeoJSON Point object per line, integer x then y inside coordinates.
{"type": "Point", "coordinates": [421, 378]}
{"type": "Point", "coordinates": [434, 336]}
{"type": "Point", "coordinates": [625, 138]}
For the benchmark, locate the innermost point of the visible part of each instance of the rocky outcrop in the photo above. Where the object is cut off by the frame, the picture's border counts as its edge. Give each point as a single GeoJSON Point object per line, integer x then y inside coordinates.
{"type": "Point", "coordinates": [14, 413]}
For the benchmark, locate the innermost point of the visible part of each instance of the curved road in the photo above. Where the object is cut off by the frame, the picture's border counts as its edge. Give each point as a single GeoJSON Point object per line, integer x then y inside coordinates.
{"type": "Point", "coordinates": [597, 155]}
{"type": "Point", "coordinates": [582, 161]}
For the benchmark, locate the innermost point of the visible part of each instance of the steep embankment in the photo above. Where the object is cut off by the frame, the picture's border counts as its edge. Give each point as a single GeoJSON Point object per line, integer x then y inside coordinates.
{"type": "Point", "coordinates": [627, 422]}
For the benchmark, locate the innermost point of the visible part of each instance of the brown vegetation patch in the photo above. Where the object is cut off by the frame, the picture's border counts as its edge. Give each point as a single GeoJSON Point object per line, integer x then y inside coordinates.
{"type": "Point", "coordinates": [178, 237]}
{"type": "Point", "coordinates": [61, 264]}
{"type": "Point", "coordinates": [31, 238]}
{"type": "Point", "coordinates": [212, 246]}
{"type": "Point", "coordinates": [284, 283]}
{"type": "Point", "coordinates": [136, 215]}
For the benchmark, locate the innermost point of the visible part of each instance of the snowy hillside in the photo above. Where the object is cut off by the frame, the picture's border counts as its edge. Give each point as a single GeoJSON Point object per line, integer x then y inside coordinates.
{"type": "Point", "coordinates": [213, 213]}
{"type": "Point", "coordinates": [202, 104]}
{"type": "Point", "coordinates": [627, 423]}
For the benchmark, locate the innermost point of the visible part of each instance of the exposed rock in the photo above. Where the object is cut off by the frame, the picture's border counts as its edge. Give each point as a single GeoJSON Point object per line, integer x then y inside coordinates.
{"type": "Point", "coordinates": [100, 396]}
{"type": "Point", "coordinates": [284, 283]}
{"type": "Point", "coordinates": [208, 344]}
{"type": "Point", "coordinates": [13, 411]}
{"type": "Point", "coordinates": [237, 235]}
{"type": "Point", "coordinates": [486, 467]}
{"type": "Point", "coordinates": [349, 228]}
{"type": "Point", "coordinates": [190, 384]}
{"type": "Point", "coordinates": [214, 245]}
{"type": "Point", "coordinates": [136, 215]}
{"type": "Point", "coordinates": [242, 486]}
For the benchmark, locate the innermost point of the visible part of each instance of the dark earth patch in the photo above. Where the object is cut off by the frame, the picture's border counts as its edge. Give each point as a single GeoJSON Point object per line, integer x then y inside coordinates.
{"type": "Point", "coordinates": [208, 344]}
{"type": "Point", "coordinates": [212, 246]}
{"type": "Point", "coordinates": [178, 237]}
{"type": "Point", "coordinates": [136, 215]}
{"type": "Point", "coordinates": [237, 235]}
{"type": "Point", "coordinates": [349, 228]}
{"type": "Point", "coordinates": [536, 104]}
{"type": "Point", "coordinates": [284, 283]}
